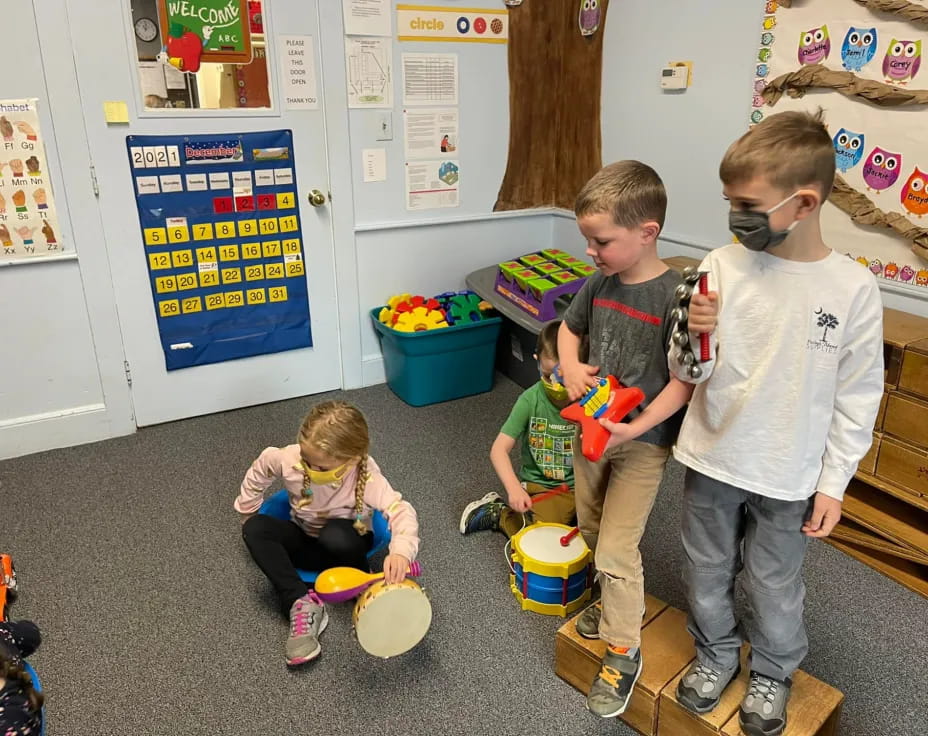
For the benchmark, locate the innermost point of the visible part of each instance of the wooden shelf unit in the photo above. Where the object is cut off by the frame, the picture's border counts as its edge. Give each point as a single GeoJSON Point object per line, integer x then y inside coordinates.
{"type": "Point", "coordinates": [885, 522]}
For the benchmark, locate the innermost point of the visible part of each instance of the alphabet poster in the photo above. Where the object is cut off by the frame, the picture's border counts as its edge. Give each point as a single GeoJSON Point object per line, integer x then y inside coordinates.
{"type": "Point", "coordinates": [860, 61]}
{"type": "Point", "coordinates": [28, 222]}
{"type": "Point", "coordinates": [222, 242]}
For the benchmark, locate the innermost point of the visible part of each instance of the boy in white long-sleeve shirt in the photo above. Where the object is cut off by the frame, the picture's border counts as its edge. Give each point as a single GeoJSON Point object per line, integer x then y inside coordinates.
{"type": "Point", "coordinates": [781, 416]}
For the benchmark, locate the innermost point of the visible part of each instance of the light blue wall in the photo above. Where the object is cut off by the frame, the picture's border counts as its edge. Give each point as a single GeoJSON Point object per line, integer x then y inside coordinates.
{"type": "Point", "coordinates": [483, 109]}
{"type": "Point", "coordinates": [684, 135]}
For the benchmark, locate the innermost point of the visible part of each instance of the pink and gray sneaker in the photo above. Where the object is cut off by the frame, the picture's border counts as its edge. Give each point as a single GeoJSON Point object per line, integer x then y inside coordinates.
{"type": "Point", "coordinates": [308, 619]}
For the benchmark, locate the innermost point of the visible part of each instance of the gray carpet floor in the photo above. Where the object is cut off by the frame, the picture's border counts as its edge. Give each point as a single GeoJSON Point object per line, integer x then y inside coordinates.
{"type": "Point", "coordinates": [156, 621]}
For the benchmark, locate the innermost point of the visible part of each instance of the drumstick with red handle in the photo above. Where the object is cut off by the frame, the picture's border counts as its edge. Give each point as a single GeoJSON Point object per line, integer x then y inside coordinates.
{"type": "Point", "coordinates": [565, 540]}
{"type": "Point", "coordinates": [563, 488]}
{"type": "Point", "coordinates": [704, 336]}
{"type": "Point", "coordinates": [692, 280]}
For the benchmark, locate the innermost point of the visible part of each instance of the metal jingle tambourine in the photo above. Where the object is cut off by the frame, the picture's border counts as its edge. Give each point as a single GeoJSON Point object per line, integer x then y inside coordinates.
{"type": "Point", "coordinates": [692, 279]}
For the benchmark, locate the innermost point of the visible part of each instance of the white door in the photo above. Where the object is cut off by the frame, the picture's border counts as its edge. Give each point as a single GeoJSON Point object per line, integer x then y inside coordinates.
{"type": "Point", "coordinates": [106, 49]}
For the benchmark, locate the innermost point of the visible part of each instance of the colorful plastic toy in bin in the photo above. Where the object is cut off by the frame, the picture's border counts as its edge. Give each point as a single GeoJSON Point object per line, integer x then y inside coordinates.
{"type": "Point", "coordinates": [431, 366]}
{"type": "Point", "coordinates": [547, 268]}
{"type": "Point", "coordinates": [563, 277]}
{"type": "Point", "coordinates": [535, 281]}
{"type": "Point", "coordinates": [583, 270]}
{"type": "Point", "coordinates": [533, 259]}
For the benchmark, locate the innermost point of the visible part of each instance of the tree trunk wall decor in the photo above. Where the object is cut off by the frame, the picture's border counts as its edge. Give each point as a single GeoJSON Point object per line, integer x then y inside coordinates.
{"type": "Point", "coordinates": [555, 80]}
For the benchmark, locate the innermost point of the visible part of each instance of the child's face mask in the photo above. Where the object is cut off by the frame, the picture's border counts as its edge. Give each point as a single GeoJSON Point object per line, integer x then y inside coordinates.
{"type": "Point", "coordinates": [327, 477]}
{"type": "Point", "coordinates": [554, 390]}
{"type": "Point", "coordinates": [753, 228]}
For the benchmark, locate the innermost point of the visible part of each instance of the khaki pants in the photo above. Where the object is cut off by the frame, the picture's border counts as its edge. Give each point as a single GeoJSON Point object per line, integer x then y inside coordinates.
{"type": "Point", "coordinates": [556, 509]}
{"type": "Point", "coordinates": [614, 499]}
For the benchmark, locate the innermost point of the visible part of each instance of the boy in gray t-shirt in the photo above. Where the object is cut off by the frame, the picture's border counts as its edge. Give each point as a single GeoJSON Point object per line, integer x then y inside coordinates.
{"type": "Point", "coordinates": [625, 311]}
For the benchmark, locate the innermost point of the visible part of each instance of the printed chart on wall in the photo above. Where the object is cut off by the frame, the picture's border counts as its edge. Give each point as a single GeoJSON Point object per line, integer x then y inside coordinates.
{"type": "Point", "coordinates": [433, 167]}
{"type": "Point", "coordinates": [28, 221]}
{"type": "Point", "coordinates": [222, 241]}
{"type": "Point", "coordinates": [432, 164]}
{"type": "Point", "coordinates": [882, 160]}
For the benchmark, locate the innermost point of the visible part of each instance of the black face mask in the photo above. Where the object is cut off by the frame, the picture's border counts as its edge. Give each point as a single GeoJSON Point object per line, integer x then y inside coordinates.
{"type": "Point", "coordinates": [753, 228]}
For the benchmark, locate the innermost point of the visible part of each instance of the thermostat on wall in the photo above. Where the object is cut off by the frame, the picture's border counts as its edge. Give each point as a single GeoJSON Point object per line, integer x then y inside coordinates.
{"type": "Point", "coordinates": [676, 75]}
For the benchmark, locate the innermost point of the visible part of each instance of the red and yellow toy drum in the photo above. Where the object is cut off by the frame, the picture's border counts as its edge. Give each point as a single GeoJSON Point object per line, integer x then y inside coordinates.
{"type": "Point", "coordinates": [548, 577]}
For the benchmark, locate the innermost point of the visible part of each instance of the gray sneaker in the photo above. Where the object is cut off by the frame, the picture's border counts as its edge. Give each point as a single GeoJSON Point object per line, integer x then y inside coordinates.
{"type": "Point", "coordinates": [588, 623]}
{"type": "Point", "coordinates": [613, 687]}
{"type": "Point", "coordinates": [702, 686]}
{"type": "Point", "coordinates": [308, 619]}
{"type": "Point", "coordinates": [763, 710]}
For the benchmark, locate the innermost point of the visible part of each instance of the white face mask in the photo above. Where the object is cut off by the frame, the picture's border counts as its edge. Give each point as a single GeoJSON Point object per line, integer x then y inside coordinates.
{"type": "Point", "coordinates": [753, 228]}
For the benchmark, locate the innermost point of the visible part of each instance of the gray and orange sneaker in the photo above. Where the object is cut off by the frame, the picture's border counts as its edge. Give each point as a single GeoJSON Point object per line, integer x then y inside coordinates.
{"type": "Point", "coordinates": [613, 687]}
{"type": "Point", "coordinates": [308, 620]}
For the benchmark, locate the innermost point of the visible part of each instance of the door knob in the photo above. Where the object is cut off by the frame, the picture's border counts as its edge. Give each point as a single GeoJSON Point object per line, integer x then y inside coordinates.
{"type": "Point", "coordinates": [316, 198]}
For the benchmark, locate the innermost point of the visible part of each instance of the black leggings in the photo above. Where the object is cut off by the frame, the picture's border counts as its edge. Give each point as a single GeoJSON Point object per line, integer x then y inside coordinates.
{"type": "Point", "coordinates": [280, 547]}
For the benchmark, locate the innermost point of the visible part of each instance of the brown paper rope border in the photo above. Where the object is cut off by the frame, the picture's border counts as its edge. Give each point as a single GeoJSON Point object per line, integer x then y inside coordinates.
{"type": "Point", "coordinates": [916, 14]}
{"type": "Point", "coordinates": [848, 84]}
{"type": "Point", "coordinates": [862, 211]}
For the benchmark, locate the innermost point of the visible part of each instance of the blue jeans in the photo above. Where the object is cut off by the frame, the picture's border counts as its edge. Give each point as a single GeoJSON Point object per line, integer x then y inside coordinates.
{"type": "Point", "coordinates": [727, 530]}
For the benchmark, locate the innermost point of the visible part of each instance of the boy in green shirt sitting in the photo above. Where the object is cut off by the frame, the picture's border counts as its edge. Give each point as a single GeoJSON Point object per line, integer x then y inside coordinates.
{"type": "Point", "coordinates": [547, 455]}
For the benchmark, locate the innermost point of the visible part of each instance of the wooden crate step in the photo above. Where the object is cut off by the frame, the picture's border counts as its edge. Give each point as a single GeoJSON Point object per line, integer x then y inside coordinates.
{"type": "Point", "coordinates": [814, 708]}
{"type": "Point", "coordinates": [666, 648]}
{"type": "Point", "coordinates": [577, 659]}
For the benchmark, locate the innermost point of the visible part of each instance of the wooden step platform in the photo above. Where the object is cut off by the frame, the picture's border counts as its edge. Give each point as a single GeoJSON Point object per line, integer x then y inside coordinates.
{"type": "Point", "coordinates": [667, 649]}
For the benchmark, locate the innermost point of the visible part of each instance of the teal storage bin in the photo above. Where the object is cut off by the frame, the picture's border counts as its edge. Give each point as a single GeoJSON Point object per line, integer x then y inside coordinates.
{"type": "Point", "coordinates": [439, 365]}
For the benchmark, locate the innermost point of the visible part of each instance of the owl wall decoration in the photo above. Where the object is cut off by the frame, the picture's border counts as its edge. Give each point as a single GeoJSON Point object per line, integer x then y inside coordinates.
{"type": "Point", "coordinates": [902, 61]}
{"type": "Point", "coordinates": [590, 14]}
{"type": "Point", "coordinates": [849, 149]}
{"type": "Point", "coordinates": [915, 194]}
{"type": "Point", "coordinates": [814, 46]}
{"type": "Point", "coordinates": [881, 169]}
{"type": "Point", "coordinates": [859, 48]}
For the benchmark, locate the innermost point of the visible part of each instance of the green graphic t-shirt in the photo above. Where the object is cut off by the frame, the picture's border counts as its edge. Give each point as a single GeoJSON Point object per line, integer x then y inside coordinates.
{"type": "Point", "coordinates": [547, 447]}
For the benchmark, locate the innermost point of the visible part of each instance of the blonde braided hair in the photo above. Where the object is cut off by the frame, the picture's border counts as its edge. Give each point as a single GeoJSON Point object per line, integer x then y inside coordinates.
{"type": "Point", "coordinates": [340, 430]}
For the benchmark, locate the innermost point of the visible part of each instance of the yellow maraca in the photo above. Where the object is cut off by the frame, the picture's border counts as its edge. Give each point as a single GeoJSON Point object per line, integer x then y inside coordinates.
{"type": "Point", "coordinates": [339, 584]}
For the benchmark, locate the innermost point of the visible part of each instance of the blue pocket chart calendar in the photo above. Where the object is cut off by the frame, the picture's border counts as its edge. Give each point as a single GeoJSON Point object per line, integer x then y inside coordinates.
{"type": "Point", "coordinates": [223, 244]}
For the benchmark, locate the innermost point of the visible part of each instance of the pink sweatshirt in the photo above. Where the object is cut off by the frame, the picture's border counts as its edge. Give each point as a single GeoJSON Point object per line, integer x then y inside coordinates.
{"type": "Point", "coordinates": [330, 501]}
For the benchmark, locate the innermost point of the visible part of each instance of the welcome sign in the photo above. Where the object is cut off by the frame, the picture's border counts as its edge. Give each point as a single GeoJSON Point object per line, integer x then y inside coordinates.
{"type": "Point", "coordinates": [221, 25]}
{"type": "Point", "coordinates": [431, 23]}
